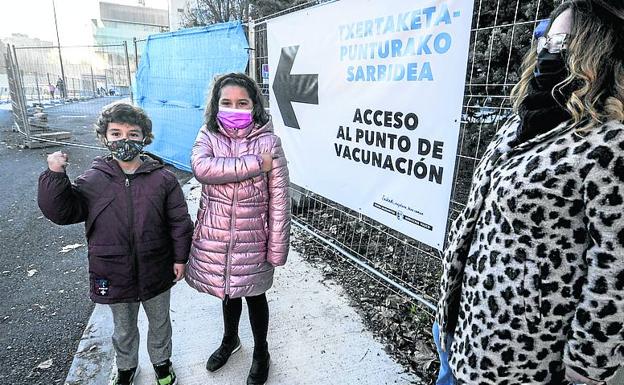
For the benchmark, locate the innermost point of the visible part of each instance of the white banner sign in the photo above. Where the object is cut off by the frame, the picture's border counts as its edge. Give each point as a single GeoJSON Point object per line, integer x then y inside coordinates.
{"type": "Point", "coordinates": [367, 96]}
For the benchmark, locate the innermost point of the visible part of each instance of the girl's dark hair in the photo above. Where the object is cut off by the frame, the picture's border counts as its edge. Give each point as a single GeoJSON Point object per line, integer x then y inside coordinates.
{"type": "Point", "coordinates": [124, 113]}
{"type": "Point", "coordinates": [595, 58]}
{"type": "Point", "coordinates": [259, 114]}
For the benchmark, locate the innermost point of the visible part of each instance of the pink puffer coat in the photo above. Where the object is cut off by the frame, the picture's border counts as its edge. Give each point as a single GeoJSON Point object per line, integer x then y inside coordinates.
{"type": "Point", "coordinates": [243, 224]}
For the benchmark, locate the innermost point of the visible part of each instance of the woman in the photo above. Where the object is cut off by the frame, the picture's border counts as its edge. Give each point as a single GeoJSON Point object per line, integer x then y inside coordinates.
{"type": "Point", "coordinates": [243, 224]}
{"type": "Point", "coordinates": [533, 283]}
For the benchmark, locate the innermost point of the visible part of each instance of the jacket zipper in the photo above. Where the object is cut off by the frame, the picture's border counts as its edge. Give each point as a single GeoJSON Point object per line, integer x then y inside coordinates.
{"type": "Point", "coordinates": [135, 259]}
{"type": "Point", "coordinates": [228, 257]}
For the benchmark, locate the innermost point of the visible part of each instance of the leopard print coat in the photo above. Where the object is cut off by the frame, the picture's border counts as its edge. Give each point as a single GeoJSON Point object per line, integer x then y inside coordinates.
{"type": "Point", "coordinates": [533, 275]}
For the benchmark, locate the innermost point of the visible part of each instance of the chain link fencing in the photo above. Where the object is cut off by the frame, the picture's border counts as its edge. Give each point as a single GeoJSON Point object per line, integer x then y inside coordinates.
{"type": "Point", "coordinates": [65, 88]}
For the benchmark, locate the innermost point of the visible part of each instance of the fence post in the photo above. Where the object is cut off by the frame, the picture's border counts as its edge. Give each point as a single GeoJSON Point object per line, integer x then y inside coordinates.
{"type": "Point", "coordinates": [128, 69]}
{"type": "Point", "coordinates": [252, 48]}
{"type": "Point", "coordinates": [136, 54]}
{"type": "Point", "coordinates": [92, 81]}
{"type": "Point", "coordinates": [37, 85]}
{"type": "Point", "coordinates": [64, 90]}
{"type": "Point", "coordinates": [20, 103]}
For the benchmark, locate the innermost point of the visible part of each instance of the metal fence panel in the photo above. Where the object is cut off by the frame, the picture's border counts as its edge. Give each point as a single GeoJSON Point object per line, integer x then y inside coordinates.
{"type": "Point", "coordinates": [68, 97]}
{"type": "Point", "coordinates": [501, 33]}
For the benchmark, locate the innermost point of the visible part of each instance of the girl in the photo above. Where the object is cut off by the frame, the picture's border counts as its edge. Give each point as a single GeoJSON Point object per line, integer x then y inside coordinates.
{"type": "Point", "coordinates": [243, 223]}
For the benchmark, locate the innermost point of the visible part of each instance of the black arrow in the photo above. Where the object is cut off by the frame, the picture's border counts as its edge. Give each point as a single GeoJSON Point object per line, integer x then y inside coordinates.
{"type": "Point", "coordinates": [301, 88]}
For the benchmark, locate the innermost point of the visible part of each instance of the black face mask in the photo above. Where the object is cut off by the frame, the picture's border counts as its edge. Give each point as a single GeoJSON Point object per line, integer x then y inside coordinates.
{"type": "Point", "coordinates": [550, 70]}
{"type": "Point", "coordinates": [540, 112]}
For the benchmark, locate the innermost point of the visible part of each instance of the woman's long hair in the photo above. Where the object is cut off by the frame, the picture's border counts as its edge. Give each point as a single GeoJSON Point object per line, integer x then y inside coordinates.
{"type": "Point", "coordinates": [595, 60]}
{"type": "Point", "coordinates": [259, 114]}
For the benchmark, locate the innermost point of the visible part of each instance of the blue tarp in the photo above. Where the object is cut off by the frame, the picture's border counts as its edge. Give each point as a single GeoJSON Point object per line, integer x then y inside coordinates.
{"type": "Point", "coordinates": [174, 79]}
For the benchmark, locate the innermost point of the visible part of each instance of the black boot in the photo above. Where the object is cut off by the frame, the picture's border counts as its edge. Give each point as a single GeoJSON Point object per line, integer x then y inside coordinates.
{"type": "Point", "coordinates": [222, 354]}
{"type": "Point", "coordinates": [259, 371]}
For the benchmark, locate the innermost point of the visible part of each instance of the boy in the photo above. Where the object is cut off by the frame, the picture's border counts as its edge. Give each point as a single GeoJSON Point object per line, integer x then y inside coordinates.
{"type": "Point", "coordinates": [138, 231]}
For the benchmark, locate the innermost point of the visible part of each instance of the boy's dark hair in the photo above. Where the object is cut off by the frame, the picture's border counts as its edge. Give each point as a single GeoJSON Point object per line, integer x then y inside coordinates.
{"type": "Point", "coordinates": [124, 113]}
{"type": "Point", "coordinates": [259, 114]}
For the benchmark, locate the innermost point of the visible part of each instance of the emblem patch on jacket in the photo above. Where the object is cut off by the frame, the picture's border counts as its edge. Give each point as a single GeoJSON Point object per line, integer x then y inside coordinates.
{"type": "Point", "coordinates": [101, 286]}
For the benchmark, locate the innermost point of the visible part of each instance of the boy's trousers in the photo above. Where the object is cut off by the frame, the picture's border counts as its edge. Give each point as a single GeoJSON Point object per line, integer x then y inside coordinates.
{"type": "Point", "coordinates": [126, 332]}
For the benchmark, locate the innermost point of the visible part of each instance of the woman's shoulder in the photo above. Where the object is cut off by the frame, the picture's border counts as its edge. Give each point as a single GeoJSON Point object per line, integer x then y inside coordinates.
{"type": "Point", "coordinates": [600, 146]}
{"type": "Point", "coordinates": [610, 133]}
{"type": "Point", "coordinates": [503, 136]}
{"type": "Point", "coordinates": [606, 140]}
{"type": "Point", "coordinates": [509, 128]}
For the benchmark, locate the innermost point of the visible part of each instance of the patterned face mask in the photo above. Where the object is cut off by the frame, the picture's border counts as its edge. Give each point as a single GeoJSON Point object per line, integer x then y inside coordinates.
{"type": "Point", "coordinates": [125, 149]}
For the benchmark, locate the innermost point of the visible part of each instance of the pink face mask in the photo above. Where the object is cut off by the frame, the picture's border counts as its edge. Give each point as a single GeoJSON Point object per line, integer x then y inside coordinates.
{"type": "Point", "coordinates": [233, 118]}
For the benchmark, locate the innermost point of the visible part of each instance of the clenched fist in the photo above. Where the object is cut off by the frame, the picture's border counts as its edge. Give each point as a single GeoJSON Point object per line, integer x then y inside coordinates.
{"type": "Point", "coordinates": [57, 161]}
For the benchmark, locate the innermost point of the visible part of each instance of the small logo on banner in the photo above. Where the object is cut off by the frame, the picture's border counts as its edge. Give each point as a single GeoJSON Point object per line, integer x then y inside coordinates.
{"type": "Point", "coordinates": [400, 216]}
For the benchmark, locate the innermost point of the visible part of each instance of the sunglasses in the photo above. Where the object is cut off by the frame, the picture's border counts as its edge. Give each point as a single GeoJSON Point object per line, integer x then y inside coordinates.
{"type": "Point", "coordinates": [553, 43]}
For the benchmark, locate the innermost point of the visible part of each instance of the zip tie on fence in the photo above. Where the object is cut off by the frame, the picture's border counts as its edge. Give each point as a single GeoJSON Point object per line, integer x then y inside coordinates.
{"type": "Point", "coordinates": [365, 266]}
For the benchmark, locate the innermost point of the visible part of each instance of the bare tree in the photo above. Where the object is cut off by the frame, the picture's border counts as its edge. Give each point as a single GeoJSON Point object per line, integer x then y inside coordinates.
{"type": "Point", "coordinates": [205, 12]}
{"type": "Point", "coordinates": [261, 8]}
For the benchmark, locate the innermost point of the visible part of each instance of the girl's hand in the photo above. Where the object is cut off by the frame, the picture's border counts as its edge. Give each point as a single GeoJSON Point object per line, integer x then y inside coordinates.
{"type": "Point", "coordinates": [178, 270]}
{"type": "Point", "coordinates": [267, 161]}
{"type": "Point", "coordinates": [57, 161]}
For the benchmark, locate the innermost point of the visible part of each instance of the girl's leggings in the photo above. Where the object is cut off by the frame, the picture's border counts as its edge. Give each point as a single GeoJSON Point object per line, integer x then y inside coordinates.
{"type": "Point", "coordinates": [258, 316]}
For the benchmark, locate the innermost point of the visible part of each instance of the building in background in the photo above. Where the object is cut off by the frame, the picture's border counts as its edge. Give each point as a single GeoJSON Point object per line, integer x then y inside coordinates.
{"type": "Point", "coordinates": [118, 23]}
{"type": "Point", "coordinates": [176, 11]}
{"type": "Point", "coordinates": [23, 40]}
{"type": "Point", "coordinates": [20, 40]}
{"type": "Point", "coordinates": [30, 60]}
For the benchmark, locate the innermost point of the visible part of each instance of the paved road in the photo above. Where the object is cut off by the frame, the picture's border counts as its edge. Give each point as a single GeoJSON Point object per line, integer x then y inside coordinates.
{"type": "Point", "coordinates": [43, 292]}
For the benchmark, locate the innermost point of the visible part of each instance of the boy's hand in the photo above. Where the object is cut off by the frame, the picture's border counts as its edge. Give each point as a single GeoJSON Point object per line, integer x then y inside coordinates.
{"type": "Point", "coordinates": [57, 161]}
{"type": "Point", "coordinates": [178, 270]}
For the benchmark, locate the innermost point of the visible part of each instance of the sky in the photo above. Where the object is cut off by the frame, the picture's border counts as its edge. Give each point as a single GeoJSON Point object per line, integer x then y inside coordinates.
{"type": "Point", "coordinates": [35, 18]}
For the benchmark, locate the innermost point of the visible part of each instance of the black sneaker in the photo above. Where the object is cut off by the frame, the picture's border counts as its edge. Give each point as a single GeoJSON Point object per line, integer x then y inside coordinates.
{"type": "Point", "coordinates": [165, 374]}
{"type": "Point", "coordinates": [259, 371]}
{"type": "Point", "coordinates": [222, 355]}
{"type": "Point", "coordinates": [125, 377]}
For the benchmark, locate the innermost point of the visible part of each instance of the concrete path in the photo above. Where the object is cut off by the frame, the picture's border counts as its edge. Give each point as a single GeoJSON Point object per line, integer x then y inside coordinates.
{"type": "Point", "coordinates": [315, 337]}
